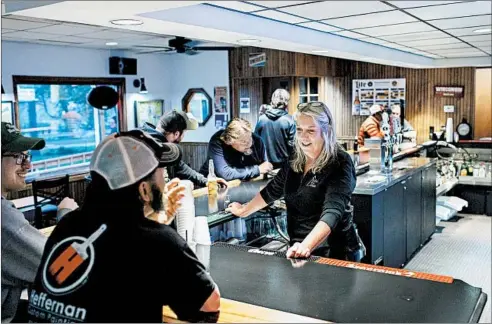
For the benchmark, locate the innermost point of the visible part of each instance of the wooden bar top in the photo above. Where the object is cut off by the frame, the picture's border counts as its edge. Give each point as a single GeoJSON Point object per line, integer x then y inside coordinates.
{"type": "Point", "coordinates": [232, 311]}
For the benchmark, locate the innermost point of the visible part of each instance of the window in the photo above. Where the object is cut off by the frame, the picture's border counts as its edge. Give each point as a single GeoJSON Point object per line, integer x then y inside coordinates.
{"type": "Point", "coordinates": [308, 90]}
{"type": "Point", "coordinates": [57, 110]}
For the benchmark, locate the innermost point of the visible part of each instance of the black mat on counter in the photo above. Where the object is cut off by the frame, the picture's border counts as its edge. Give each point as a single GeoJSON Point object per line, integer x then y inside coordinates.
{"type": "Point", "coordinates": [242, 194]}
{"type": "Point", "coordinates": [339, 294]}
{"type": "Point", "coordinates": [453, 219]}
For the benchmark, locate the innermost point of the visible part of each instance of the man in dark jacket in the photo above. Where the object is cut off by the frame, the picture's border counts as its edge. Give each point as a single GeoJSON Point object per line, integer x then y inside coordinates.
{"type": "Point", "coordinates": [237, 153]}
{"type": "Point", "coordinates": [277, 129]}
{"type": "Point", "coordinates": [171, 129]}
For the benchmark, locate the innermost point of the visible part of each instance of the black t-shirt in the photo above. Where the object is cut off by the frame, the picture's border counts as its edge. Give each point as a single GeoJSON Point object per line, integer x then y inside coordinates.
{"type": "Point", "coordinates": [127, 274]}
{"type": "Point", "coordinates": [311, 198]}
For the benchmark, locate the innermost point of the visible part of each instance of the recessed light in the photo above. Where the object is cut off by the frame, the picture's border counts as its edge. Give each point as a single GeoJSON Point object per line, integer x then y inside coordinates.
{"type": "Point", "coordinates": [111, 43]}
{"type": "Point", "coordinates": [248, 41]}
{"type": "Point", "coordinates": [126, 22]}
{"type": "Point", "coordinates": [483, 30]}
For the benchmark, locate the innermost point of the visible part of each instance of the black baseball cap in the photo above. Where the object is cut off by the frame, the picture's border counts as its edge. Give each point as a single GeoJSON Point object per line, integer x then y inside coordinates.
{"type": "Point", "coordinates": [13, 141]}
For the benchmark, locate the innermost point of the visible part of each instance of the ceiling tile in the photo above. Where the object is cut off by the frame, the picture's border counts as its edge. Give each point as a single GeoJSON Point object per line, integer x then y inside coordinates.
{"type": "Point", "coordinates": [72, 39]}
{"type": "Point", "coordinates": [415, 36]}
{"type": "Point", "coordinates": [397, 29]}
{"type": "Point", "coordinates": [272, 14]}
{"type": "Point", "coordinates": [276, 4]}
{"type": "Point", "coordinates": [453, 50]}
{"type": "Point", "coordinates": [466, 54]}
{"type": "Point", "coordinates": [412, 4]}
{"type": "Point", "coordinates": [114, 35]}
{"type": "Point", "coordinates": [22, 24]}
{"type": "Point", "coordinates": [376, 41]}
{"type": "Point", "coordinates": [486, 49]}
{"type": "Point", "coordinates": [476, 38]}
{"type": "Point", "coordinates": [68, 29]}
{"type": "Point", "coordinates": [335, 9]}
{"type": "Point", "coordinates": [371, 20]}
{"type": "Point", "coordinates": [438, 41]}
{"type": "Point", "coordinates": [5, 30]}
{"type": "Point", "coordinates": [486, 43]}
{"type": "Point", "coordinates": [452, 10]}
{"type": "Point", "coordinates": [236, 5]}
{"type": "Point", "coordinates": [318, 26]}
{"type": "Point", "coordinates": [462, 22]}
{"type": "Point", "coordinates": [442, 46]}
{"type": "Point", "coordinates": [349, 34]}
{"type": "Point", "coordinates": [469, 31]}
{"type": "Point", "coordinates": [414, 51]}
{"type": "Point", "coordinates": [29, 35]}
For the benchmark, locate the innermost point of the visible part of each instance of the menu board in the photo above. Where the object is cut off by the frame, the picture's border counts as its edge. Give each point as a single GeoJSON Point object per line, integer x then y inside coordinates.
{"type": "Point", "coordinates": [385, 92]}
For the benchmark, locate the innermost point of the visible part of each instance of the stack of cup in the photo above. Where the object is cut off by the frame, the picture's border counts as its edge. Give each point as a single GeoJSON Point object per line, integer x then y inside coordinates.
{"type": "Point", "coordinates": [185, 215]}
{"type": "Point", "coordinates": [201, 236]}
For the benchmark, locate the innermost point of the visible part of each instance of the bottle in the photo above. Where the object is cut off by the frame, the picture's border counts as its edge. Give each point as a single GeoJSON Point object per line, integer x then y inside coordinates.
{"type": "Point", "coordinates": [213, 188]}
{"type": "Point", "coordinates": [481, 171]}
{"type": "Point", "coordinates": [356, 101]}
{"type": "Point", "coordinates": [464, 169]}
{"type": "Point", "coordinates": [470, 168]}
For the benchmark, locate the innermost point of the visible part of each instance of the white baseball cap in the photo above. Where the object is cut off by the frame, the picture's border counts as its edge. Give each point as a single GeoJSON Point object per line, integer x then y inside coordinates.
{"type": "Point", "coordinates": [126, 158]}
{"type": "Point", "coordinates": [375, 109]}
{"type": "Point", "coordinates": [191, 122]}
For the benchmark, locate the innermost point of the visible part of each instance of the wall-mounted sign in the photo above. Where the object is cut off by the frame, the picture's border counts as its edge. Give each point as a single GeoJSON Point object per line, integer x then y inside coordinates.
{"type": "Point", "coordinates": [448, 109]}
{"type": "Point", "coordinates": [453, 92]}
{"type": "Point", "coordinates": [244, 107]}
{"type": "Point", "coordinates": [257, 59]}
{"type": "Point", "coordinates": [384, 92]}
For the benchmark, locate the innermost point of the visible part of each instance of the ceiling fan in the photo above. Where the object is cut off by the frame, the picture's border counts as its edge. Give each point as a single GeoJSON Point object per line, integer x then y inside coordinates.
{"type": "Point", "coordinates": [181, 45]}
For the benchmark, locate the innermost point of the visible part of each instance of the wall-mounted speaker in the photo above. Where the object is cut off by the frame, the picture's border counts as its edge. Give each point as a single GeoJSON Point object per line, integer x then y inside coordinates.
{"type": "Point", "coordinates": [122, 65]}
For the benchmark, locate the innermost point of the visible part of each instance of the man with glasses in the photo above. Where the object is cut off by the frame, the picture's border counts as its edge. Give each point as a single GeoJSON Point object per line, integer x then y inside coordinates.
{"type": "Point", "coordinates": [22, 244]}
{"type": "Point", "coordinates": [237, 152]}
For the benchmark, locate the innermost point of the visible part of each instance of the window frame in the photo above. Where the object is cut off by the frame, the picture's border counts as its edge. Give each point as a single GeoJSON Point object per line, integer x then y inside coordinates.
{"type": "Point", "coordinates": [120, 83]}
{"type": "Point", "coordinates": [308, 94]}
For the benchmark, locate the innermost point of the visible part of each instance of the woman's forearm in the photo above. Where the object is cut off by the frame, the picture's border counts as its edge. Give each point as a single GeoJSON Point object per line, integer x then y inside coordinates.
{"type": "Point", "coordinates": [317, 235]}
{"type": "Point", "coordinates": [254, 205]}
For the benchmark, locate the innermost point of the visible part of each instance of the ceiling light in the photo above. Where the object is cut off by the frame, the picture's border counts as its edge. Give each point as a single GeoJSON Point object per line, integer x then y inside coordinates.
{"type": "Point", "coordinates": [248, 41]}
{"type": "Point", "coordinates": [320, 51]}
{"type": "Point", "coordinates": [111, 43]}
{"type": "Point", "coordinates": [483, 30]}
{"type": "Point", "coordinates": [126, 22]}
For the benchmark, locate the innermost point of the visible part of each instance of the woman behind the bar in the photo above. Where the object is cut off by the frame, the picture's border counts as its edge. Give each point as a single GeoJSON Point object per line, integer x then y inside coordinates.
{"type": "Point", "coordinates": [317, 183]}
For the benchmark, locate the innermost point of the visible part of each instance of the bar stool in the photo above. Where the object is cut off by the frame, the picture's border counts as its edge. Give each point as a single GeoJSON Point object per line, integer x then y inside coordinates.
{"type": "Point", "coordinates": [51, 193]}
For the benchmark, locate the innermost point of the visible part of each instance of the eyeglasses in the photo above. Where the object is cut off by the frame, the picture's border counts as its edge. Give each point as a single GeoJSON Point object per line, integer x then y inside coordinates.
{"type": "Point", "coordinates": [303, 106]}
{"type": "Point", "coordinates": [21, 158]}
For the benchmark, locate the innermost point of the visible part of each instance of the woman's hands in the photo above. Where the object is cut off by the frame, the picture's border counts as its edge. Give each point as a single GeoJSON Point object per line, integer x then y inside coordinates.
{"type": "Point", "coordinates": [298, 250]}
{"type": "Point", "coordinates": [236, 209]}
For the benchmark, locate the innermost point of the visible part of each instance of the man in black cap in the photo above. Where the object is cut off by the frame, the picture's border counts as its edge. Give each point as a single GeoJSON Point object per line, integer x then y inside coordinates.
{"type": "Point", "coordinates": [171, 129]}
{"type": "Point", "coordinates": [112, 260]}
{"type": "Point", "coordinates": [22, 244]}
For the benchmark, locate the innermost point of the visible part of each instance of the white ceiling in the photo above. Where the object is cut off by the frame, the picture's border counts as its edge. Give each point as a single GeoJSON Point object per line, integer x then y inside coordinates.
{"type": "Point", "coordinates": [429, 29]}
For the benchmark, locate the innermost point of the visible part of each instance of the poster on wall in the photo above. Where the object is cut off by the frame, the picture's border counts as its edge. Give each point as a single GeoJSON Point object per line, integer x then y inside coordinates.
{"type": "Point", "coordinates": [8, 112]}
{"type": "Point", "coordinates": [221, 121]}
{"type": "Point", "coordinates": [148, 111]}
{"type": "Point", "coordinates": [368, 92]}
{"type": "Point", "coordinates": [220, 100]}
{"type": "Point", "coordinates": [244, 107]}
{"type": "Point", "coordinates": [449, 91]}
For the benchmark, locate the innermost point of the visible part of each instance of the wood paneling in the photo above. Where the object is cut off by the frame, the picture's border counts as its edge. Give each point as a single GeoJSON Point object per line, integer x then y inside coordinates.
{"type": "Point", "coordinates": [194, 154]}
{"type": "Point", "coordinates": [251, 88]}
{"type": "Point", "coordinates": [483, 110]}
{"type": "Point", "coordinates": [423, 109]}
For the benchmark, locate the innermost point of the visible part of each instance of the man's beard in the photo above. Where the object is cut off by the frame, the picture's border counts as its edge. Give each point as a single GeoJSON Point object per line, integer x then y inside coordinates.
{"type": "Point", "coordinates": [157, 203]}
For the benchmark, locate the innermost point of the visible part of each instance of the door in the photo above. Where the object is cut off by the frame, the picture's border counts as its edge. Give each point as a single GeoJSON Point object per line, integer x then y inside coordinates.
{"type": "Point", "coordinates": [394, 227]}
{"type": "Point", "coordinates": [428, 203]}
{"type": "Point", "coordinates": [412, 197]}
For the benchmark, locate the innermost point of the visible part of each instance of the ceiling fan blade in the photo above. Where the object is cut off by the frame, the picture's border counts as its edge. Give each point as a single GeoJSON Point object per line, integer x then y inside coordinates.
{"type": "Point", "coordinates": [213, 48]}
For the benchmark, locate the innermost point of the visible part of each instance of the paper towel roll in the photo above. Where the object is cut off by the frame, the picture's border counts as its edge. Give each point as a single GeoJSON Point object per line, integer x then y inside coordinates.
{"type": "Point", "coordinates": [449, 130]}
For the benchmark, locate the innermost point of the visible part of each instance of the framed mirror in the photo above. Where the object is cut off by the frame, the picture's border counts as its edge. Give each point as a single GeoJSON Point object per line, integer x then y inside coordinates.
{"type": "Point", "coordinates": [199, 103]}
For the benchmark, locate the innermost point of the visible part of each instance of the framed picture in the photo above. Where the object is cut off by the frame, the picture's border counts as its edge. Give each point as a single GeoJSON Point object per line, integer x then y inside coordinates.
{"type": "Point", "coordinates": [148, 111]}
{"type": "Point", "coordinates": [8, 112]}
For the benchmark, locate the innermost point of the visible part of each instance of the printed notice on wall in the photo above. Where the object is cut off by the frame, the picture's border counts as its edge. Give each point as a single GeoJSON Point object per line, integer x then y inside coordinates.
{"type": "Point", "coordinates": [244, 107]}
{"type": "Point", "coordinates": [220, 100]}
{"type": "Point", "coordinates": [384, 92]}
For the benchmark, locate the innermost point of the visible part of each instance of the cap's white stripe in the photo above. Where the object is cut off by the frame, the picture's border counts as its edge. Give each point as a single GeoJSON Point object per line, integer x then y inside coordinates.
{"type": "Point", "coordinates": [126, 161]}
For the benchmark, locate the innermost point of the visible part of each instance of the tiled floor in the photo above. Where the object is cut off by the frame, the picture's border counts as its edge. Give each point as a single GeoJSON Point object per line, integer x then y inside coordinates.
{"type": "Point", "coordinates": [462, 251]}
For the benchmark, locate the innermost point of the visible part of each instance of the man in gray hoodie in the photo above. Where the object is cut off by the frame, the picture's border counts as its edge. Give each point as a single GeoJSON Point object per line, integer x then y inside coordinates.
{"type": "Point", "coordinates": [277, 129]}
{"type": "Point", "coordinates": [22, 244]}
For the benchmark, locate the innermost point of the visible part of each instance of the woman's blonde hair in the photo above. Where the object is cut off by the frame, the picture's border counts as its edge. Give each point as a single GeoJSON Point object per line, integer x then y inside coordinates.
{"type": "Point", "coordinates": [323, 118]}
{"type": "Point", "coordinates": [237, 128]}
